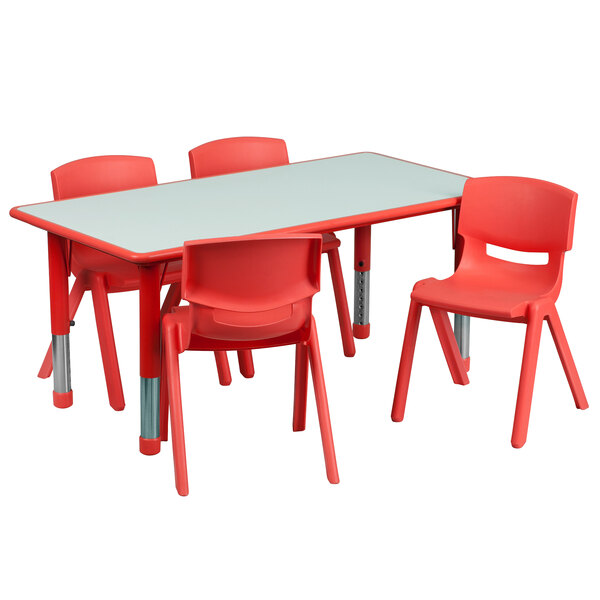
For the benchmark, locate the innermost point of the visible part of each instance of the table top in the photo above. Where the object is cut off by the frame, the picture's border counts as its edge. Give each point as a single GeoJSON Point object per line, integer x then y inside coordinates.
{"type": "Point", "coordinates": [151, 224]}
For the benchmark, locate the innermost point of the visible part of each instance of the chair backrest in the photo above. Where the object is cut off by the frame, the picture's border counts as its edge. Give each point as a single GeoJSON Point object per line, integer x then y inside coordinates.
{"type": "Point", "coordinates": [233, 155]}
{"type": "Point", "coordinates": [529, 215]}
{"type": "Point", "coordinates": [263, 284]}
{"type": "Point", "coordinates": [102, 175]}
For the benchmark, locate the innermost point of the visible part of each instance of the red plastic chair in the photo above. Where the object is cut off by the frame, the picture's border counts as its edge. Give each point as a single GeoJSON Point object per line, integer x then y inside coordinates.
{"type": "Point", "coordinates": [101, 273]}
{"type": "Point", "coordinates": [247, 293]}
{"type": "Point", "coordinates": [521, 214]}
{"type": "Point", "coordinates": [233, 155]}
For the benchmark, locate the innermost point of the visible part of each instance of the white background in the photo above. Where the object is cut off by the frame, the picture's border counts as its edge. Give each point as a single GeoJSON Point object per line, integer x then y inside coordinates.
{"type": "Point", "coordinates": [439, 506]}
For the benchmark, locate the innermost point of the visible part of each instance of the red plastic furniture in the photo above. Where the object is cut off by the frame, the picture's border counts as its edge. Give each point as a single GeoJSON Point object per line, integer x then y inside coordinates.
{"type": "Point", "coordinates": [247, 293]}
{"type": "Point", "coordinates": [101, 273]}
{"type": "Point", "coordinates": [521, 214]}
{"type": "Point", "coordinates": [233, 155]}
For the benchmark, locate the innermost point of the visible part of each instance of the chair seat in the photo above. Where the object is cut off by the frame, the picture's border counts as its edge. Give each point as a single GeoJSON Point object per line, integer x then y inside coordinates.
{"type": "Point", "coordinates": [484, 294]}
{"type": "Point", "coordinates": [121, 275]}
{"type": "Point", "coordinates": [330, 242]}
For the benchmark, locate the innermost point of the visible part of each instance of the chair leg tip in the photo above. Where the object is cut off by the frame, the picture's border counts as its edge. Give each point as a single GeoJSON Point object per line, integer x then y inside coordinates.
{"type": "Point", "coordinates": [334, 478]}
{"type": "Point", "coordinates": [397, 417]}
{"type": "Point", "coordinates": [182, 485]}
{"type": "Point", "coordinates": [298, 427]}
{"type": "Point", "coordinates": [518, 443]}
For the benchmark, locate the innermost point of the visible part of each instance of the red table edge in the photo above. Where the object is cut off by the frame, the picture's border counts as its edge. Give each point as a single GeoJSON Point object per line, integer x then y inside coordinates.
{"type": "Point", "coordinates": [155, 256]}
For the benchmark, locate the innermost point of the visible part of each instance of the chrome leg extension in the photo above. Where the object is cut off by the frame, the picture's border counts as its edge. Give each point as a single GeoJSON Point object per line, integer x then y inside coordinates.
{"type": "Point", "coordinates": [462, 333]}
{"type": "Point", "coordinates": [150, 407]}
{"type": "Point", "coordinates": [361, 297]}
{"type": "Point", "coordinates": [61, 361]}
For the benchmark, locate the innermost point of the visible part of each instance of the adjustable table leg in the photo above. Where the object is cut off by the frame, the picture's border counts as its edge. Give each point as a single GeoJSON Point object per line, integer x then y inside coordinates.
{"type": "Point", "coordinates": [59, 315]}
{"type": "Point", "coordinates": [362, 271]}
{"type": "Point", "coordinates": [150, 358]}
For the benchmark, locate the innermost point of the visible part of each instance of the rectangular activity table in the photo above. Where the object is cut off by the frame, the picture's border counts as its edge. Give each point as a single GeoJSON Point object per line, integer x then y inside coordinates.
{"type": "Point", "coordinates": [148, 227]}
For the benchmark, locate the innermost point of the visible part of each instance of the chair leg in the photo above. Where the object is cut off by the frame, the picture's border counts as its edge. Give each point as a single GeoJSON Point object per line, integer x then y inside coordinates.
{"type": "Point", "coordinates": [406, 360]}
{"type": "Point", "coordinates": [341, 302]}
{"type": "Point", "coordinates": [223, 367]}
{"type": "Point", "coordinates": [46, 368]}
{"type": "Point", "coordinates": [74, 301]}
{"type": "Point", "coordinates": [566, 358]}
{"type": "Point", "coordinates": [314, 356]}
{"type": "Point", "coordinates": [528, 367]}
{"type": "Point", "coordinates": [300, 387]}
{"type": "Point", "coordinates": [164, 396]}
{"type": "Point", "coordinates": [174, 391]}
{"type": "Point", "coordinates": [107, 343]}
{"type": "Point", "coordinates": [246, 363]}
{"type": "Point", "coordinates": [172, 299]}
{"type": "Point", "coordinates": [456, 363]}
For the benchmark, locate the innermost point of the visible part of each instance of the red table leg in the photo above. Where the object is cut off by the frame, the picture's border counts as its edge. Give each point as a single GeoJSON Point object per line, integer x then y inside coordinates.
{"type": "Point", "coordinates": [58, 269]}
{"type": "Point", "coordinates": [150, 358]}
{"type": "Point", "coordinates": [362, 270]}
